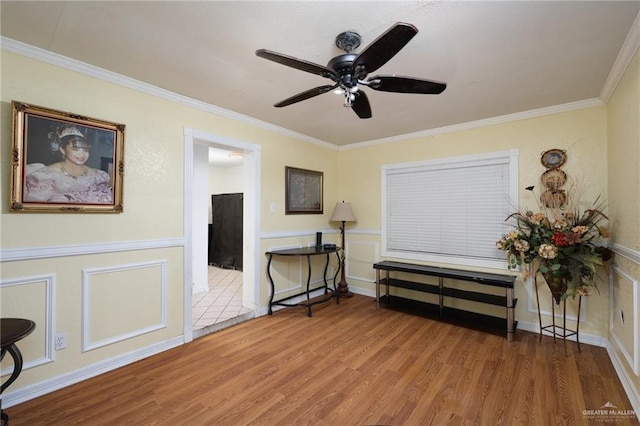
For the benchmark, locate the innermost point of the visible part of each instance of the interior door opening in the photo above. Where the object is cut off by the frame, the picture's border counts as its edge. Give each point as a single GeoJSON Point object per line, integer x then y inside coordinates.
{"type": "Point", "coordinates": [209, 287]}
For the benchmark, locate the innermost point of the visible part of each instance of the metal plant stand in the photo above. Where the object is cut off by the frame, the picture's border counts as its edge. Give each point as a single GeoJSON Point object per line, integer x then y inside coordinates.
{"type": "Point", "coordinates": [560, 331]}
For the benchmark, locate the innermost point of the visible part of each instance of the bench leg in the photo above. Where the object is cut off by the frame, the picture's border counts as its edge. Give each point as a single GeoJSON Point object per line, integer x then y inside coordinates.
{"type": "Point", "coordinates": [510, 315]}
{"type": "Point", "coordinates": [377, 288]}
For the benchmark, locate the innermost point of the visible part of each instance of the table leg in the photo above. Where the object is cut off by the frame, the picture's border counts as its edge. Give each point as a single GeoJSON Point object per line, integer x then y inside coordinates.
{"type": "Point", "coordinates": [17, 365]}
{"type": "Point", "coordinates": [324, 275]}
{"type": "Point", "coordinates": [17, 369]}
{"type": "Point", "coordinates": [308, 283]}
{"type": "Point", "coordinates": [273, 287]}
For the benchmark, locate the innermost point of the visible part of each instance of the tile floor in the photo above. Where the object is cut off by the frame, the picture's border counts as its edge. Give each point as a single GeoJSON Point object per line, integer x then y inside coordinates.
{"type": "Point", "coordinates": [222, 303]}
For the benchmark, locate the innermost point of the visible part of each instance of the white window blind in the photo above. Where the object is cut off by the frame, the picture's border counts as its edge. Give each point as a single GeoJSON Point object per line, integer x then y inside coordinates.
{"type": "Point", "coordinates": [450, 210]}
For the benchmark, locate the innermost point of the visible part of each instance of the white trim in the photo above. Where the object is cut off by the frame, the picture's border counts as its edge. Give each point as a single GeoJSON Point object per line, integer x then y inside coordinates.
{"type": "Point", "coordinates": [31, 253]}
{"type": "Point", "coordinates": [87, 344]}
{"type": "Point", "coordinates": [293, 234]}
{"type": "Point", "coordinates": [48, 57]}
{"type": "Point", "coordinates": [633, 393]}
{"type": "Point", "coordinates": [632, 359]}
{"type": "Point", "coordinates": [55, 59]}
{"type": "Point", "coordinates": [50, 315]}
{"type": "Point", "coordinates": [631, 254]}
{"type": "Point", "coordinates": [508, 157]}
{"type": "Point", "coordinates": [251, 276]}
{"type": "Point", "coordinates": [362, 243]}
{"type": "Point", "coordinates": [557, 109]}
{"type": "Point", "coordinates": [624, 58]}
{"type": "Point", "coordinates": [44, 387]}
{"type": "Point", "coordinates": [187, 231]}
{"type": "Point", "coordinates": [312, 232]}
{"type": "Point", "coordinates": [587, 339]}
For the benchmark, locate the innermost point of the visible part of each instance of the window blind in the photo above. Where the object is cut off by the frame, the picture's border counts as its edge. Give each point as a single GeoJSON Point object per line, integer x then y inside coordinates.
{"type": "Point", "coordinates": [453, 209]}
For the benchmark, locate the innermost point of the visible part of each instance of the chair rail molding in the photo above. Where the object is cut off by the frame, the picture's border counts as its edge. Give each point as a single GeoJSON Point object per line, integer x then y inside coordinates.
{"type": "Point", "coordinates": [17, 254]}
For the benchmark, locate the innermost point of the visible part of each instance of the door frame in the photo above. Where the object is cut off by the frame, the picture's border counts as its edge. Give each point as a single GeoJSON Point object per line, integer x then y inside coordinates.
{"type": "Point", "coordinates": [250, 218]}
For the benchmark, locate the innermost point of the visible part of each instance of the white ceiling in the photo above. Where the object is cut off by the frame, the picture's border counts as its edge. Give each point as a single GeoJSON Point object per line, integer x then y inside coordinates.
{"type": "Point", "coordinates": [498, 58]}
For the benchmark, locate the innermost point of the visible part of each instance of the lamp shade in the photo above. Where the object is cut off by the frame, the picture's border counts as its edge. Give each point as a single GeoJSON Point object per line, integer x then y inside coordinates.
{"type": "Point", "coordinates": [343, 213]}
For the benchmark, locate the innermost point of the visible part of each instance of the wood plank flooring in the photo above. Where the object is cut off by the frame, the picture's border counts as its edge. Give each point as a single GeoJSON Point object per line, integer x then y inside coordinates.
{"type": "Point", "coordinates": [349, 364]}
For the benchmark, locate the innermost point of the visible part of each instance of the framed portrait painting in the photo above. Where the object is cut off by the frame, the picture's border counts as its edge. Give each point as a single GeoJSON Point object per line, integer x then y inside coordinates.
{"type": "Point", "coordinates": [303, 191]}
{"type": "Point", "coordinates": [64, 162]}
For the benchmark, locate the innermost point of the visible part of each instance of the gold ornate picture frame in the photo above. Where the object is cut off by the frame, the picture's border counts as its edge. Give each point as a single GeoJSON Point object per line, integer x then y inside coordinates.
{"type": "Point", "coordinates": [65, 163]}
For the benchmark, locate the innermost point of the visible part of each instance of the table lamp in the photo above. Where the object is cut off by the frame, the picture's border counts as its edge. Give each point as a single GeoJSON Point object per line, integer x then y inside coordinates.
{"type": "Point", "coordinates": [343, 213]}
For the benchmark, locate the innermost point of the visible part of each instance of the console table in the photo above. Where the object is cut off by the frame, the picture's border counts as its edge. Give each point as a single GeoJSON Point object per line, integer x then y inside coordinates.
{"type": "Point", "coordinates": [13, 330]}
{"type": "Point", "coordinates": [305, 252]}
{"type": "Point", "coordinates": [441, 311]}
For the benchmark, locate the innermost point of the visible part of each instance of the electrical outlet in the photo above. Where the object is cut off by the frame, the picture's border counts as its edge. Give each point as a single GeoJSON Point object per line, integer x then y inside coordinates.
{"type": "Point", "coordinates": [61, 341]}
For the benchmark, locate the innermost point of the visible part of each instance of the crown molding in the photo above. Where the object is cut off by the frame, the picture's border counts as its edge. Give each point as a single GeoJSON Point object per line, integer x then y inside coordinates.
{"type": "Point", "coordinates": [630, 46]}
{"type": "Point", "coordinates": [61, 61]}
{"type": "Point", "coordinates": [588, 103]}
{"type": "Point", "coordinates": [624, 58]}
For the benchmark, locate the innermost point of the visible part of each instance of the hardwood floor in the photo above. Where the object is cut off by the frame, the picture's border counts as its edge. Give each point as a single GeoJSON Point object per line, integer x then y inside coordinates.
{"type": "Point", "coordinates": [347, 365]}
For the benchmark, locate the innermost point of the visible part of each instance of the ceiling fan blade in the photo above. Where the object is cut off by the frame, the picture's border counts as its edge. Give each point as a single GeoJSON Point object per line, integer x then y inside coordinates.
{"type": "Point", "coordinates": [360, 105]}
{"type": "Point", "coordinates": [296, 63]}
{"type": "Point", "coordinates": [305, 95]}
{"type": "Point", "coordinates": [390, 83]}
{"type": "Point", "coordinates": [385, 46]}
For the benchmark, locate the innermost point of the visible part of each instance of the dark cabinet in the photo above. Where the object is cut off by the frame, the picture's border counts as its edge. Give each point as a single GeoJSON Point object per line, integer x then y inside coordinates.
{"type": "Point", "coordinates": [225, 239]}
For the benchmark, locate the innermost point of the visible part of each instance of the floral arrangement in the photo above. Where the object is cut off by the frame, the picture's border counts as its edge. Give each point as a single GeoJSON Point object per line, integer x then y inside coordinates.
{"type": "Point", "coordinates": [566, 245]}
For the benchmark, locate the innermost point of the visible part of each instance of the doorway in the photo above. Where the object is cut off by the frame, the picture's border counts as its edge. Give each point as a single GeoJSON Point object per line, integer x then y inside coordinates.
{"type": "Point", "coordinates": [220, 306]}
{"type": "Point", "coordinates": [196, 211]}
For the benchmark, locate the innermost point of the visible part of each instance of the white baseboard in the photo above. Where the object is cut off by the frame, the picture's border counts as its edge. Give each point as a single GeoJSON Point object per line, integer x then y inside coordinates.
{"type": "Point", "coordinates": [632, 393]}
{"type": "Point", "coordinates": [587, 339]}
{"type": "Point", "coordinates": [47, 386]}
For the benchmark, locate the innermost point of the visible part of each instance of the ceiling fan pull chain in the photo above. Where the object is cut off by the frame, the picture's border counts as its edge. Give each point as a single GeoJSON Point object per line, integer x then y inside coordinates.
{"type": "Point", "coordinates": [348, 98]}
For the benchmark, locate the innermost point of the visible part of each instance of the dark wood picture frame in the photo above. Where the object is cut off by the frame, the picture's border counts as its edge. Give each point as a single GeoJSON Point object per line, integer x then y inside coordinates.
{"type": "Point", "coordinates": [64, 162]}
{"type": "Point", "coordinates": [303, 191]}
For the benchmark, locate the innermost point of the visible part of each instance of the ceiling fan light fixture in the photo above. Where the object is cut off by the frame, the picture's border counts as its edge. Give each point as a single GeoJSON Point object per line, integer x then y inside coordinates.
{"type": "Point", "coordinates": [349, 69]}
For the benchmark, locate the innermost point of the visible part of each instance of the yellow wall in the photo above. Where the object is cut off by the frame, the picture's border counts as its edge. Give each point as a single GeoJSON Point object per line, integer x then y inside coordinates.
{"type": "Point", "coordinates": [581, 133]}
{"type": "Point", "coordinates": [152, 220]}
{"type": "Point", "coordinates": [624, 194]}
{"type": "Point", "coordinates": [153, 206]}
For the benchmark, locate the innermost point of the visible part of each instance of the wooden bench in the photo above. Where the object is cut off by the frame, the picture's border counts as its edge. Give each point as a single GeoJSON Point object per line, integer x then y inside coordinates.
{"type": "Point", "coordinates": [442, 289]}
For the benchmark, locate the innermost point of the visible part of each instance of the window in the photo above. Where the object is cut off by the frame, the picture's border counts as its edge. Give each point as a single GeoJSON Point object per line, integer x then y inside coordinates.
{"type": "Point", "coordinates": [449, 210]}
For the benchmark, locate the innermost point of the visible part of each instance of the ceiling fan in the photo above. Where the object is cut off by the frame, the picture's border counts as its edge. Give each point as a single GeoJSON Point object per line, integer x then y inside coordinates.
{"type": "Point", "coordinates": [349, 69]}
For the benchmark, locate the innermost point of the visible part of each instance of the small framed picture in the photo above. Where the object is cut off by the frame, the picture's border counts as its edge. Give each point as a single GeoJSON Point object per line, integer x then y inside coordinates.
{"type": "Point", "coordinates": [64, 162]}
{"type": "Point", "coordinates": [303, 191]}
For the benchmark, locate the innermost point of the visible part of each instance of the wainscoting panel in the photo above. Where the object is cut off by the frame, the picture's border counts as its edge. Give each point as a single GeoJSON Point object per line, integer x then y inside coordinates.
{"type": "Point", "coordinates": [624, 317]}
{"type": "Point", "coordinates": [108, 316]}
{"type": "Point", "coordinates": [361, 255]}
{"type": "Point", "coordinates": [31, 298]}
